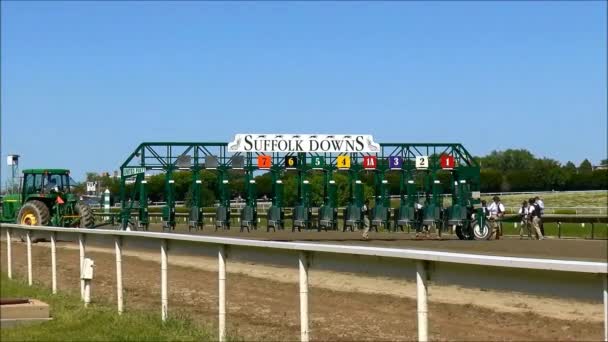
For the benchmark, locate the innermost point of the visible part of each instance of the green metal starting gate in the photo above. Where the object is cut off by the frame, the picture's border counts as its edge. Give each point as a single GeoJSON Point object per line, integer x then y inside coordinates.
{"type": "Point", "coordinates": [420, 203]}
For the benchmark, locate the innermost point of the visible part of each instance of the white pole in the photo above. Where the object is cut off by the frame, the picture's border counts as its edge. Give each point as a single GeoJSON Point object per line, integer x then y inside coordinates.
{"type": "Point", "coordinates": [118, 248]}
{"type": "Point", "coordinates": [303, 261]}
{"type": "Point", "coordinates": [163, 279]}
{"type": "Point", "coordinates": [28, 237]}
{"type": "Point", "coordinates": [106, 203]}
{"type": "Point", "coordinates": [87, 292]}
{"type": "Point", "coordinates": [9, 254]}
{"type": "Point", "coordinates": [421, 296]}
{"type": "Point", "coordinates": [53, 262]}
{"type": "Point", "coordinates": [222, 291]}
{"type": "Point", "coordinates": [606, 307]}
{"type": "Point", "coordinates": [81, 246]}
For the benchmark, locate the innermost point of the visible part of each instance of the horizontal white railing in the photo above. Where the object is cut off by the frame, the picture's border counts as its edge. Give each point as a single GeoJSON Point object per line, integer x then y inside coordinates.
{"type": "Point", "coordinates": [425, 261]}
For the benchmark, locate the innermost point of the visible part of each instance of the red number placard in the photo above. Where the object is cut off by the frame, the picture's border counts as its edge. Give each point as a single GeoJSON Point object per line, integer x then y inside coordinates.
{"type": "Point", "coordinates": [370, 162]}
{"type": "Point", "coordinates": [447, 161]}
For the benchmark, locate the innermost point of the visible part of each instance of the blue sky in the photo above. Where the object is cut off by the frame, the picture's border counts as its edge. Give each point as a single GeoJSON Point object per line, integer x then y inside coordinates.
{"type": "Point", "coordinates": [83, 83]}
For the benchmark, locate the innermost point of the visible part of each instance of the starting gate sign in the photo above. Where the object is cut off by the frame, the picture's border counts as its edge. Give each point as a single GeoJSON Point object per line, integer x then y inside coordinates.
{"type": "Point", "coordinates": [343, 162]}
{"type": "Point", "coordinates": [318, 162]}
{"type": "Point", "coordinates": [130, 171]}
{"type": "Point", "coordinates": [264, 162]}
{"type": "Point", "coordinates": [395, 162]}
{"type": "Point", "coordinates": [422, 162]}
{"type": "Point", "coordinates": [291, 162]}
{"type": "Point", "coordinates": [447, 161]}
{"type": "Point", "coordinates": [370, 162]}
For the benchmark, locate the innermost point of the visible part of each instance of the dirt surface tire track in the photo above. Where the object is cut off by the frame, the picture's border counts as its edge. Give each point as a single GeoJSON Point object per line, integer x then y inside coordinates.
{"type": "Point", "coordinates": [571, 249]}
{"type": "Point", "coordinates": [261, 309]}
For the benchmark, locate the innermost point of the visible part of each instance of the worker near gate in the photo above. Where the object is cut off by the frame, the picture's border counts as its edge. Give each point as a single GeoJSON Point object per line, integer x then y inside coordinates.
{"type": "Point", "coordinates": [366, 224]}
{"type": "Point", "coordinates": [534, 213]}
{"type": "Point", "coordinates": [496, 211]}
{"type": "Point", "coordinates": [541, 204]}
{"type": "Point", "coordinates": [524, 215]}
{"type": "Point", "coordinates": [484, 208]}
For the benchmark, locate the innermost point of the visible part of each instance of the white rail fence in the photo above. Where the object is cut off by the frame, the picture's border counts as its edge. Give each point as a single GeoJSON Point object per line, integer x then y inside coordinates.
{"type": "Point", "coordinates": [564, 277]}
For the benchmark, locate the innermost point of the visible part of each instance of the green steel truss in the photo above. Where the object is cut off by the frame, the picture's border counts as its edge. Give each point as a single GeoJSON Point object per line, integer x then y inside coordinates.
{"type": "Point", "coordinates": [169, 157]}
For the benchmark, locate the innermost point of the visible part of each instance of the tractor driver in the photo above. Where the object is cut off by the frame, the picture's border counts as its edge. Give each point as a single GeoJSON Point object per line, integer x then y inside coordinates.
{"type": "Point", "coordinates": [51, 185]}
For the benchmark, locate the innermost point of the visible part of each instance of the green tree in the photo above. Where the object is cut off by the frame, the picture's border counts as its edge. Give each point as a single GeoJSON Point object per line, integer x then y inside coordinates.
{"type": "Point", "coordinates": [585, 166]}
{"type": "Point", "coordinates": [546, 174]}
{"type": "Point", "coordinates": [507, 160]}
{"type": "Point", "coordinates": [491, 180]}
{"type": "Point", "coordinates": [570, 167]}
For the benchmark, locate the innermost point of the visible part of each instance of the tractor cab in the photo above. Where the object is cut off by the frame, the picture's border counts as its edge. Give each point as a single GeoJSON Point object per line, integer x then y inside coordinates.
{"type": "Point", "coordinates": [45, 182]}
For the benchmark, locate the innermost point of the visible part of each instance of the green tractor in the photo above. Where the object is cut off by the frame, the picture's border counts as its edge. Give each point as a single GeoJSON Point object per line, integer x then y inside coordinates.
{"type": "Point", "coordinates": [45, 199]}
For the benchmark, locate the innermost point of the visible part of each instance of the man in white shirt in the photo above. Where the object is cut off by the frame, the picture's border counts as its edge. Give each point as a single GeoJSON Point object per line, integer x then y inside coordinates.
{"type": "Point", "coordinates": [524, 214]}
{"type": "Point", "coordinates": [496, 211]}
{"type": "Point", "coordinates": [541, 204]}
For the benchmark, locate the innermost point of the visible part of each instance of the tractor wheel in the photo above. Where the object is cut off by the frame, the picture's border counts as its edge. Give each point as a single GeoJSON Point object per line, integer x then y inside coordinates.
{"type": "Point", "coordinates": [463, 234]}
{"type": "Point", "coordinates": [86, 215]}
{"type": "Point", "coordinates": [479, 232]}
{"type": "Point", "coordinates": [34, 213]}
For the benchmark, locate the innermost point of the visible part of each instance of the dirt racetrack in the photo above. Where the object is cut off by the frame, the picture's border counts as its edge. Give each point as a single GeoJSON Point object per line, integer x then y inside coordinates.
{"type": "Point", "coordinates": [572, 249]}
{"type": "Point", "coordinates": [263, 301]}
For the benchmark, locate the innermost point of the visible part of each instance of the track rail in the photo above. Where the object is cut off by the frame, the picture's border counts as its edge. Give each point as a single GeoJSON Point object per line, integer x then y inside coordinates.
{"type": "Point", "coordinates": [520, 273]}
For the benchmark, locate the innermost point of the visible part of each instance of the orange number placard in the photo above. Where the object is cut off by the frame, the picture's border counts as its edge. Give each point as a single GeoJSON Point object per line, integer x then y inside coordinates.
{"type": "Point", "coordinates": [264, 162]}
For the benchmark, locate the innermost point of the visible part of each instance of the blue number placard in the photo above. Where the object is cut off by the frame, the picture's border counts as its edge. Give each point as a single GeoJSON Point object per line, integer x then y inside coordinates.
{"type": "Point", "coordinates": [395, 162]}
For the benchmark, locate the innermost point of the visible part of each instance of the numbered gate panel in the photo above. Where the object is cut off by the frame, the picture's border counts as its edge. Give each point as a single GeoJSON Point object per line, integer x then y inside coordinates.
{"type": "Point", "coordinates": [317, 162]}
{"type": "Point", "coordinates": [343, 162]}
{"type": "Point", "coordinates": [395, 162]}
{"type": "Point", "coordinates": [291, 162]}
{"type": "Point", "coordinates": [264, 162]}
{"type": "Point", "coordinates": [237, 162]}
{"type": "Point", "coordinates": [422, 162]}
{"type": "Point", "coordinates": [370, 162]}
{"type": "Point", "coordinates": [447, 161]}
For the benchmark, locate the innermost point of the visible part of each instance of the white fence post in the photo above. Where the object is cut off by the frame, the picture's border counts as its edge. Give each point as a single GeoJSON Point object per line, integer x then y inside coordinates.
{"type": "Point", "coordinates": [303, 263]}
{"type": "Point", "coordinates": [82, 248]}
{"type": "Point", "coordinates": [28, 237]}
{"type": "Point", "coordinates": [163, 279]}
{"type": "Point", "coordinates": [87, 292]}
{"type": "Point", "coordinates": [605, 307]}
{"type": "Point", "coordinates": [9, 254]}
{"type": "Point", "coordinates": [53, 262]}
{"type": "Point", "coordinates": [421, 296]}
{"type": "Point", "coordinates": [221, 257]}
{"type": "Point", "coordinates": [118, 249]}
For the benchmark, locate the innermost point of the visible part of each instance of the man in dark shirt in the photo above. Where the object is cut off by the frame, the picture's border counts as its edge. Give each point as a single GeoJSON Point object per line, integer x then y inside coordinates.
{"type": "Point", "coordinates": [365, 219]}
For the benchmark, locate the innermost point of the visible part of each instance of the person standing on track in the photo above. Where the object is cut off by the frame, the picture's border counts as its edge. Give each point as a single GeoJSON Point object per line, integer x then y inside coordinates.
{"type": "Point", "coordinates": [484, 207]}
{"type": "Point", "coordinates": [496, 211]}
{"type": "Point", "coordinates": [524, 214]}
{"type": "Point", "coordinates": [534, 213]}
{"type": "Point", "coordinates": [541, 204]}
{"type": "Point", "coordinates": [366, 224]}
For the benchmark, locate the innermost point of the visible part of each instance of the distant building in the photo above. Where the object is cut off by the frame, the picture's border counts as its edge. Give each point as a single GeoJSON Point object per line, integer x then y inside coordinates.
{"type": "Point", "coordinates": [601, 167]}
